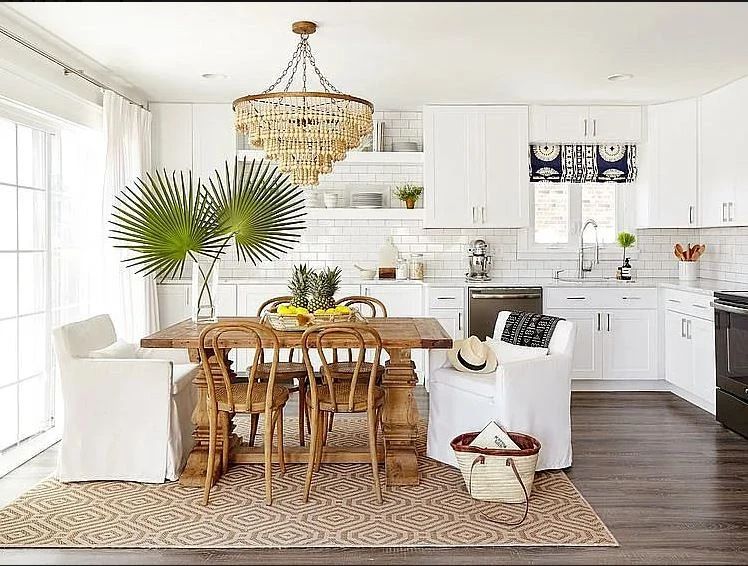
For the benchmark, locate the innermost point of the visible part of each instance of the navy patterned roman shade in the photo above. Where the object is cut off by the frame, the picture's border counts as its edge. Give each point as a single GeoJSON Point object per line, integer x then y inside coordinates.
{"type": "Point", "coordinates": [574, 163]}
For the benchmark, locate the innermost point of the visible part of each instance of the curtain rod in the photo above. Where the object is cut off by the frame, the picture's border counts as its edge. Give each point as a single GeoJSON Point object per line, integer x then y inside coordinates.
{"type": "Point", "coordinates": [68, 69]}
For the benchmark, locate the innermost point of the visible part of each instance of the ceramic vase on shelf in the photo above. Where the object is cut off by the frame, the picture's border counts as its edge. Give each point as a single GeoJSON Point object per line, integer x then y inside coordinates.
{"type": "Point", "coordinates": [205, 290]}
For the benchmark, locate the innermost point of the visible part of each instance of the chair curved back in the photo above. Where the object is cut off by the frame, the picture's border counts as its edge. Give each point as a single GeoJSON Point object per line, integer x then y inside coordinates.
{"type": "Point", "coordinates": [375, 306]}
{"type": "Point", "coordinates": [271, 305]}
{"type": "Point", "coordinates": [77, 339]}
{"type": "Point", "coordinates": [210, 348]}
{"type": "Point", "coordinates": [345, 335]}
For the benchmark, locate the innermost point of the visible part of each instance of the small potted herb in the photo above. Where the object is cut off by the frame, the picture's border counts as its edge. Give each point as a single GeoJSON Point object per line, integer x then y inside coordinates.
{"type": "Point", "coordinates": [626, 240]}
{"type": "Point", "coordinates": [409, 194]}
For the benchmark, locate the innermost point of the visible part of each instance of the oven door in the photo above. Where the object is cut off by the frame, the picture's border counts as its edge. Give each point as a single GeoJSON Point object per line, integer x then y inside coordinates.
{"type": "Point", "coordinates": [731, 348]}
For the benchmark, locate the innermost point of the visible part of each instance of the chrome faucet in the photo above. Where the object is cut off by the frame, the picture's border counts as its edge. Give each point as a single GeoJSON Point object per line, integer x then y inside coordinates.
{"type": "Point", "coordinates": [582, 267]}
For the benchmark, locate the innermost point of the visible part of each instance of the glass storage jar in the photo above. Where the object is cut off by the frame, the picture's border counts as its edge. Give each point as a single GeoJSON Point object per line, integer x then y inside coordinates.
{"type": "Point", "coordinates": [416, 268]}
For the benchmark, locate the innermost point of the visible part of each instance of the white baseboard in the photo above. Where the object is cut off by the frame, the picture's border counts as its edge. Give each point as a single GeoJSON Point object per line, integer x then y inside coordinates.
{"type": "Point", "coordinates": [619, 385]}
{"type": "Point", "coordinates": [694, 399]}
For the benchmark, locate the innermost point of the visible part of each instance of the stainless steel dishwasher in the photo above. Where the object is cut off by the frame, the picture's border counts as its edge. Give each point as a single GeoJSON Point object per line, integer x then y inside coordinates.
{"type": "Point", "coordinates": [485, 303]}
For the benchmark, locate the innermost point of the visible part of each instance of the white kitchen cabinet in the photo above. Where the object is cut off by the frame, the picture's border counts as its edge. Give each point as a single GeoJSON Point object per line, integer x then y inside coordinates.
{"type": "Point", "coordinates": [451, 320]}
{"type": "Point", "coordinates": [701, 335]}
{"type": "Point", "coordinates": [588, 347]}
{"type": "Point", "coordinates": [630, 344]}
{"type": "Point", "coordinates": [173, 304]}
{"type": "Point", "coordinates": [171, 136]}
{"type": "Point", "coordinates": [585, 124]}
{"type": "Point", "coordinates": [226, 300]}
{"type": "Point", "coordinates": [678, 369]}
{"type": "Point", "coordinates": [213, 138]}
{"type": "Point", "coordinates": [347, 290]}
{"type": "Point", "coordinates": [476, 168]}
{"type": "Point", "coordinates": [667, 190]}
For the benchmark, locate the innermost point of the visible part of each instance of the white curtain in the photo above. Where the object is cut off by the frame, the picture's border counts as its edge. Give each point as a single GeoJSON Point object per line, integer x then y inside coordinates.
{"type": "Point", "coordinates": [128, 297]}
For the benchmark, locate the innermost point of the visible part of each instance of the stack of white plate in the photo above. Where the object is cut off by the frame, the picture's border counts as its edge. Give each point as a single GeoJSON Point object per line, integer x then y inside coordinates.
{"type": "Point", "coordinates": [366, 200]}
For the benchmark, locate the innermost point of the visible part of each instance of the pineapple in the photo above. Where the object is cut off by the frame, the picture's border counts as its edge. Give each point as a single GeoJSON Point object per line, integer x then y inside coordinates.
{"type": "Point", "coordinates": [300, 285]}
{"type": "Point", "coordinates": [324, 286]}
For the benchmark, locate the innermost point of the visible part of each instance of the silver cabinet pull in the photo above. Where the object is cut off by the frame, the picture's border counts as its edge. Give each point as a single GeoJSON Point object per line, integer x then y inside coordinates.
{"type": "Point", "coordinates": [594, 127]}
{"type": "Point", "coordinates": [731, 211]}
{"type": "Point", "coordinates": [446, 298]}
{"type": "Point", "coordinates": [585, 127]}
{"type": "Point", "coordinates": [459, 320]}
{"type": "Point", "coordinates": [690, 214]}
{"type": "Point", "coordinates": [698, 306]}
{"type": "Point", "coordinates": [599, 321]}
{"type": "Point", "coordinates": [483, 214]}
{"type": "Point", "coordinates": [724, 212]}
{"type": "Point", "coordinates": [608, 322]}
{"type": "Point", "coordinates": [688, 329]}
{"type": "Point", "coordinates": [474, 215]}
{"type": "Point", "coordinates": [576, 298]}
{"type": "Point", "coordinates": [682, 327]}
{"type": "Point", "coordinates": [505, 296]}
{"type": "Point", "coordinates": [631, 298]}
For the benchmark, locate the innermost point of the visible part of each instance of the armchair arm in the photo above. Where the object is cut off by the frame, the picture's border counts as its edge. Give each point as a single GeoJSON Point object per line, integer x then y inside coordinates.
{"type": "Point", "coordinates": [175, 355]}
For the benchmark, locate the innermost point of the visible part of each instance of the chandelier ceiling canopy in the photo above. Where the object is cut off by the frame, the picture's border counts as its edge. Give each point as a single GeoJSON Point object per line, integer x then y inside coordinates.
{"type": "Point", "coordinates": [303, 131]}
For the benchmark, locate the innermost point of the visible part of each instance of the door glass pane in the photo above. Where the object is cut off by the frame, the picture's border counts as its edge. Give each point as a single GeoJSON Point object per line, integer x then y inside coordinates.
{"type": "Point", "coordinates": [7, 152]}
{"type": "Point", "coordinates": [599, 202]}
{"type": "Point", "coordinates": [8, 416]}
{"type": "Point", "coordinates": [8, 353]}
{"type": "Point", "coordinates": [8, 284]}
{"type": "Point", "coordinates": [31, 158]}
{"type": "Point", "coordinates": [32, 397]}
{"type": "Point", "coordinates": [31, 277]}
{"type": "Point", "coordinates": [32, 219]}
{"type": "Point", "coordinates": [551, 213]}
{"type": "Point", "coordinates": [32, 344]}
{"type": "Point", "coordinates": [8, 239]}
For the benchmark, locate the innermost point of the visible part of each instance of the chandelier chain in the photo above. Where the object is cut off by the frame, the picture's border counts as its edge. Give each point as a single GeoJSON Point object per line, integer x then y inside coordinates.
{"type": "Point", "coordinates": [296, 53]}
{"type": "Point", "coordinates": [302, 54]}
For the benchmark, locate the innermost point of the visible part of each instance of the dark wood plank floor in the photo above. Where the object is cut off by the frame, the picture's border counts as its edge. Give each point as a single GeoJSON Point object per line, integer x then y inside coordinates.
{"type": "Point", "coordinates": [670, 483]}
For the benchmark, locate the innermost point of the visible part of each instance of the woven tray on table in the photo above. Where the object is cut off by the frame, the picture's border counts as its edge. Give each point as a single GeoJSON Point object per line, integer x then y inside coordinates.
{"type": "Point", "coordinates": [292, 322]}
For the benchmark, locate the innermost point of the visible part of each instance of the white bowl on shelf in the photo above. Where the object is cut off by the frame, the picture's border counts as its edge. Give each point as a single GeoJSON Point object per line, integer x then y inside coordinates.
{"type": "Point", "coordinates": [404, 145]}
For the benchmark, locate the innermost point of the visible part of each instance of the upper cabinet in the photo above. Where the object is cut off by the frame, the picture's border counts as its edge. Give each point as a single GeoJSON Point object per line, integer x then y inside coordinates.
{"type": "Point", "coordinates": [475, 166]}
{"type": "Point", "coordinates": [199, 137]}
{"type": "Point", "coordinates": [667, 189]}
{"type": "Point", "coordinates": [724, 130]}
{"type": "Point", "coordinates": [585, 124]}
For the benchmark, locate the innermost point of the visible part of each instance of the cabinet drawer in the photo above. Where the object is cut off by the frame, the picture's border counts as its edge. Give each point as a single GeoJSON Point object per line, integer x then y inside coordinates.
{"type": "Point", "coordinates": [694, 304]}
{"type": "Point", "coordinates": [446, 298]}
{"type": "Point", "coordinates": [600, 298]}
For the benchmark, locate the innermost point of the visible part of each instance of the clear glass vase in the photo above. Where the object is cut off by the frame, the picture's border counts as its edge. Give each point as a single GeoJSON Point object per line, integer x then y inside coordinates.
{"type": "Point", "coordinates": [205, 290]}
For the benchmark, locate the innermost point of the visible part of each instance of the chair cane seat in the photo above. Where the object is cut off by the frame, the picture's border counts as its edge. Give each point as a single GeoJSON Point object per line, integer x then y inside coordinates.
{"type": "Point", "coordinates": [347, 368]}
{"type": "Point", "coordinates": [285, 372]}
{"type": "Point", "coordinates": [257, 402]}
{"type": "Point", "coordinates": [342, 391]}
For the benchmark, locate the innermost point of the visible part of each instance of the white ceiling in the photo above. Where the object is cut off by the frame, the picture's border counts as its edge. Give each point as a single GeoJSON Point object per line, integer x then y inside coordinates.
{"type": "Point", "coordinates": [402, 55]}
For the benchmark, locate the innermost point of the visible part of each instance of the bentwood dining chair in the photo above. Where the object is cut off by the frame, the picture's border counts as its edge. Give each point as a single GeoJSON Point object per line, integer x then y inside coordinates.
{"type": "Point", "coordinates": [285, 374]}
{"type": "Point", "coordinates": [254, 397]}
{"type": "Point", "coordinates": [358, 394]}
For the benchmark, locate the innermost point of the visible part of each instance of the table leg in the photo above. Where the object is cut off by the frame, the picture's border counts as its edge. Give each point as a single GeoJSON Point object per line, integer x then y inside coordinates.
{"type": "Point", "coordinates": [400, 419]}
{"type": "Point", "coordinates": [197, 462]}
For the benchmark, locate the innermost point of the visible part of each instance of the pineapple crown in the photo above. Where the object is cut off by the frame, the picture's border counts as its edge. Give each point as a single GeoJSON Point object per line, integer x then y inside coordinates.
{"type": "Point", "coordinates": [326, 282]}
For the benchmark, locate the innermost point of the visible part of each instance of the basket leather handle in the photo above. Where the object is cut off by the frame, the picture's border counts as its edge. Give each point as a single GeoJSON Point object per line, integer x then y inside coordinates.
{"type": "Point", "coordinates": [509, 462]}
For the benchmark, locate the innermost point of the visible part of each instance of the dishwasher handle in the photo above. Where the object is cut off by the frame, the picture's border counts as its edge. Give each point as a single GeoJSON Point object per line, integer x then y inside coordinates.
{"type": "Point", "coordinates": [505, 295]}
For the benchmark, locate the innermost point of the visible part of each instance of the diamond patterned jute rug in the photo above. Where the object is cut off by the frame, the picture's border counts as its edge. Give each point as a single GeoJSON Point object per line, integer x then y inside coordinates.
{"type": "Point", "coordinates": [341, 512]}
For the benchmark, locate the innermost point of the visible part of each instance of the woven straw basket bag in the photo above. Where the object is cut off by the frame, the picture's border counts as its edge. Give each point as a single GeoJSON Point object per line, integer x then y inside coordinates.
{"type": "Point", "coordinates": [504, 476]}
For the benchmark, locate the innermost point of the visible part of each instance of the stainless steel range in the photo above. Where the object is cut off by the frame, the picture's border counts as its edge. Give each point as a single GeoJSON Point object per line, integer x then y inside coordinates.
{"type": "Point", "coordinates": [731, 351]}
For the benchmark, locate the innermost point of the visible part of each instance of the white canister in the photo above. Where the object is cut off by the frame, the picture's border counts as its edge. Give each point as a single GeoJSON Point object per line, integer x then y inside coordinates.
{"type": "Point", "coordinates": [688, 270]}
{"type": "Point", "coordinates": [331, 200]}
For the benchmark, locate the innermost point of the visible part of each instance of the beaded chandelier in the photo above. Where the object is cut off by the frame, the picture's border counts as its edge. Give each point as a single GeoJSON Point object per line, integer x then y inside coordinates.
{"type": "Point", "coordinates": [303, 131]}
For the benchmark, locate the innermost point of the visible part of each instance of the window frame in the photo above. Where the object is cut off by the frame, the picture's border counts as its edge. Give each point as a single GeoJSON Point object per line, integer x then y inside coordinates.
{"type": "Point", "coordinates": [528, 248]}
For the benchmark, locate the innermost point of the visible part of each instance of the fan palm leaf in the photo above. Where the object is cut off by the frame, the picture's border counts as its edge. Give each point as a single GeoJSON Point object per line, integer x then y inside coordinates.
{"type": "Point", "coordinates": [259, 205]}
{"type": "Point", "coordinates": [165, 220]}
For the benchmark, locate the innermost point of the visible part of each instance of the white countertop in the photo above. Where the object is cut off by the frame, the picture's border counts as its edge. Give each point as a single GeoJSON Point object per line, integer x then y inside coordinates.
{"type": "Point", "coordinates": [704, 286]}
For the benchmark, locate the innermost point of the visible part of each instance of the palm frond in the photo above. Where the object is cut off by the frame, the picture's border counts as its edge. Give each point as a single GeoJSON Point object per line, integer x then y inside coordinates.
{"type": "Point", "coordinates": [259, 205]}
{"type": "Point", "coordinates": [165, 220]}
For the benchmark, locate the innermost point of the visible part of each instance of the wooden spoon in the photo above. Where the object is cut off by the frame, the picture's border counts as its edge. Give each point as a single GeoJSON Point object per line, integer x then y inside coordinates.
{"type": "Point", "coordinates": [679, 252]}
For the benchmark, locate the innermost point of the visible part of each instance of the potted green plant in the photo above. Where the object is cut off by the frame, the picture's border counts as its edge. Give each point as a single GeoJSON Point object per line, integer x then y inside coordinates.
{"type": "Point", "coordinates": [167, 220]}
{"type": "Point", "coordinates": [409, 194]}
{"type": "Point", "coordinates": [625, 240]}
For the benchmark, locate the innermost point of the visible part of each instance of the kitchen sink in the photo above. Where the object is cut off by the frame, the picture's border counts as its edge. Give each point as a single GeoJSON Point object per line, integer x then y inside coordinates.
{"type": "Point", "coordinates": [594, 280]}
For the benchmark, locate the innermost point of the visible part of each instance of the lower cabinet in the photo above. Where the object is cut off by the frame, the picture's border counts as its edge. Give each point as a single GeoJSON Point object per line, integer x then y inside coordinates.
{"type": "Point", "coordinates": [689, 357]}
{"type": "Point", "coordinates": [173, 303]}
{"type": "Point", "coordinates": [614, 343]}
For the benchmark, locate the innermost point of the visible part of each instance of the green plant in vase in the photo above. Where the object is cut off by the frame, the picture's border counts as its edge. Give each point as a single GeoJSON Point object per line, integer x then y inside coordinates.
{"type": "Point", "coordinates": [167, 220]}
{"type": "Point", "coordinates": [625, 240]}
{"type": "Point", "coordinates": [409, 194]}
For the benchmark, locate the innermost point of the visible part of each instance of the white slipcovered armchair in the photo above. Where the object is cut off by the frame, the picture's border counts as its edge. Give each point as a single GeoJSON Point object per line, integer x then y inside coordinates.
{"type": "Point", "coordinates": [531, 396]}
{"type": "Point", "coordinates": [124, 419]}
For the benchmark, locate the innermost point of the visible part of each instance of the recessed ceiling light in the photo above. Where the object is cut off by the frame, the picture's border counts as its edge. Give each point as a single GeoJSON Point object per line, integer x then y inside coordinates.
{"type": "Point", "coordinates": [620, 77]}
{"type": "Point", "coordinates": [214, 76]}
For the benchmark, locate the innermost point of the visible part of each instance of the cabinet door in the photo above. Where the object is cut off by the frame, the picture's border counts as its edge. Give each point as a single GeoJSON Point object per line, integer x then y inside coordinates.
{"type": "Point", "coordinates": [615, 124]}
{"type": "Point", "coordinates": [213, 138]}
{"type": "Point", "coordinates": [671, 186]}
{"type": "Point", "coordinates": [226, 300]}
{"type": "Point", "coordinates": [347, 291]}
{"type": "Point", "coordinates": [555, 124]}
{"type": "Point", "coordinates": [701, 336]}
{"type": "Point", "coordinates": [630, 350]}
{"type": "Point", "coordinates": [173, 304]}
{"type": "Point", "coordinates": [678, 356]}
{"type": "Point", "coordinates": [171, 136]}
{"type": "Point", "coordinates": [504, 142]}
{"type": "Point", "coordinates": [588, 355]}
{"type": "Point", "coordinates": [452, 320]}
{"type": "Point", "coordinates": [719, 154]}
{"type": "Point", "coordinates": [447, 168]}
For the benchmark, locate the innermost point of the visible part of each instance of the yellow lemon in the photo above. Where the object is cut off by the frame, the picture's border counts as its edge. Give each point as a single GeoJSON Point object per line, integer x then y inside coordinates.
{"type": "Point", "coordinates": [319, 311]}
{"type": "Point", "coordinates": [342, 309]}
{"type": "Point", "coordinates": [302, 310]}
{"type": "Point", "coordinates": [330, 311]}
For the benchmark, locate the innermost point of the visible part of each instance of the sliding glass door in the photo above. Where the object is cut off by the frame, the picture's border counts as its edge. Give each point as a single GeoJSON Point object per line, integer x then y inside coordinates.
{"type": "Point", "coordinates": [27, 392]}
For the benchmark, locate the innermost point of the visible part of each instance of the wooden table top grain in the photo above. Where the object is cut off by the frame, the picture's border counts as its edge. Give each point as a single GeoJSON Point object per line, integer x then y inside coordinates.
{"type": "Point", "coordinates": [402, 333]}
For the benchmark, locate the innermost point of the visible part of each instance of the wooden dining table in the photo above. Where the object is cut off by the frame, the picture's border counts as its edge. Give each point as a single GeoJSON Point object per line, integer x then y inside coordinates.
{"type": "Point", "coordinates": [400, 418]}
